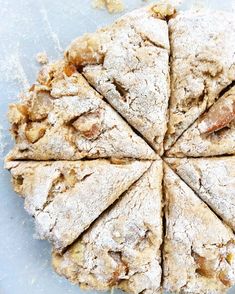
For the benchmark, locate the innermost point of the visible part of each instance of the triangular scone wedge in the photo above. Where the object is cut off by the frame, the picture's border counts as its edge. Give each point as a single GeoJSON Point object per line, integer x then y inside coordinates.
{"type": "Point", "coordinates": [128, 64]}
{"type": "Point", "coordinates": [64, 118]}
{"type": "Point", "coordinates": [212, 134]}
{"type": "Point", "coordinates": [66, 197]}
{"type": "Point", "coordinates": [199, 249]}
{"type": "Point", "coordinates": [122, 248]}
{"type": "Point", "coordinates": [202, 65]}
{"type": "Point", "coordinates": [213, 179]}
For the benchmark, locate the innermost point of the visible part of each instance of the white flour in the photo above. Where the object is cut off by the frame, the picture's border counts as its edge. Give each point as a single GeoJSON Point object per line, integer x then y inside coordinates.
{"type": "Point", "coordinates": [12, 70]}
{"type": "Point", "coordinates": [2, 142]}
{"type": "Point", "coordinates": [50, 31]}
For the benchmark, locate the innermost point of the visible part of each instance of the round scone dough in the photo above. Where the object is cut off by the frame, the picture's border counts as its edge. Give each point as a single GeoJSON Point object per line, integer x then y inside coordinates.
{"type": "Point", "coordinates": [89, 135]}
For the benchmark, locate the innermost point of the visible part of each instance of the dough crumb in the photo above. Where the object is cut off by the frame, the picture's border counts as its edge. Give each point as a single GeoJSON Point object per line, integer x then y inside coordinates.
{"type": "Point", "coordinates": [164, 10]}
{"type": "Point", "coordinates": [42, 58]}
{"type": "Point", "coordinates": [113, 6]}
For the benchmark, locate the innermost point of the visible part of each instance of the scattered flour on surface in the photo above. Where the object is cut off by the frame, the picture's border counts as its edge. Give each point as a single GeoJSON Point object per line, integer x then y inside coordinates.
{"type": "Point", "coordinates": [173, 3]}
{"type": "Point", "coordinates": [176, 3]}
{"type": "Point", "coordinates": [3, 144]}
{"type": "Point", "coordinates": [13, 70]}
{"type": "Point", "coordinates": [199, 5]}
{"type": "Point", "coordinates": [42, 58]}
{"type": "Point", "coordinates": [233, 6]}
{"type": "Point", "coordinates": [113, 6]}
{"type": "Point", "coordinates": [50, 31]}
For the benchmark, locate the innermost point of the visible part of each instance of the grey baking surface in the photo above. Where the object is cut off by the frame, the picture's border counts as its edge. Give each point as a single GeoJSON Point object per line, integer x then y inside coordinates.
{"type": "Point", "coordinates": [26, 28]}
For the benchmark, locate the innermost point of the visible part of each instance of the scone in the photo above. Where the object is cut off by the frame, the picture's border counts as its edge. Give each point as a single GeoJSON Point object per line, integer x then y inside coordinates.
{"type": "Point", "coordinates": [64, 118]}
{"type": "Point", "coordinates": [212, 134]}
{"type": "Point", "coordinates": [89, 136]}
{"type": "Point", "coordinates": [202, 65]}
{"type": "Point", "coordinates": [128, 64]}
{"type": "Point", "coordinates": [213, 179]}
{"type": "Point", "coordinates": [65, 197]}
{"type": "Point", "coordinates": [122, 248]}
{"type": "Point", "coordinates": [199, 249]}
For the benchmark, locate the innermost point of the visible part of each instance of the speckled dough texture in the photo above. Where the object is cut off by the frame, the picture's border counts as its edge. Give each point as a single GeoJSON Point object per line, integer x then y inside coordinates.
{"type": "Point", "coordinates": [197, 245]}
{"type": "Point", "coordinates": [66, 197]}
{"type": "Point", "coordinates": [124, 154]}
{"type": "Point", "coordinates": [202, 65]}
{"type": "Point", "coordinates": [212, 134]}
{"type": "Point", "coordinates": [122, 249]}
{"type": "Point", "coordinates": [213, 179]}
{"type": "Point", "coordinates": [128, 64]}
{"type": "Point", "coordinates": [64, 118]}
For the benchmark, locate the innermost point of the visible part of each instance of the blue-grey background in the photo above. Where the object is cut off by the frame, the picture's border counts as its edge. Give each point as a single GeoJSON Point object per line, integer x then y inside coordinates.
{"type": "Point", "coordinates": [26, 28]}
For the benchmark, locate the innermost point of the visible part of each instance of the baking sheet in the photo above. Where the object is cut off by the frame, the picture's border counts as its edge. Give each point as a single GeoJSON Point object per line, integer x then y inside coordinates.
{"type": "Point", "coordinates": [26, 28]}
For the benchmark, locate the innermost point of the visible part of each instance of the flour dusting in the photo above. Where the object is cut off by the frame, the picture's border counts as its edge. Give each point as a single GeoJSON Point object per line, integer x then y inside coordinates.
{"type": "Point", "coordinates": [2, 142]}
{"type": "Point", "coordinates": [199, 5]}
{"type": "Point", "coordinates": [13, 70]}
{"type": "Point", "coordinates": [50, 31]}
{"type": "Point", "coordinates": [233, 6]}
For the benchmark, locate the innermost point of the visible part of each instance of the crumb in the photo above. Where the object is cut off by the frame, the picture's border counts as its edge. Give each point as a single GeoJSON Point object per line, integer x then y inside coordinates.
{"type": "Point", "coordinates": [113, 6]}
{"type": "Point", "coordinates": [198, 5]}
{"type": "Point", "coordinates": [164, 9]}
{"type": "Point", "coordinates": [42, 58]}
